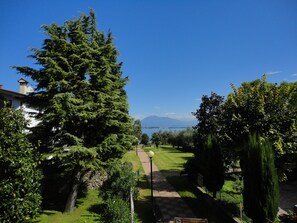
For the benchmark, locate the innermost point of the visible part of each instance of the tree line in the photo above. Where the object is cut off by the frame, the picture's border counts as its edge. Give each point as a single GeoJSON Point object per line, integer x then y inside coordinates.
{"type": "Point", "coordinates": [256, 127]}
{"type": "Point", "coordinates": [269, 110]}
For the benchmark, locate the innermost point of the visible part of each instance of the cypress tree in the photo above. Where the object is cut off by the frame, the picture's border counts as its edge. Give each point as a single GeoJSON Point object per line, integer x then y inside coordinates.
{"type": "Point", "coordinates": [260, 193]}
{"type": "Point", "coordinates": [212, 165]}
{"type": "Point", "coordinates": [80, 93]}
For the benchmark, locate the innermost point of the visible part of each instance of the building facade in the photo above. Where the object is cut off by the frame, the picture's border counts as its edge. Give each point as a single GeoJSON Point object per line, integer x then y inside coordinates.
{"type": "Point", "coordinates": [15, 100]}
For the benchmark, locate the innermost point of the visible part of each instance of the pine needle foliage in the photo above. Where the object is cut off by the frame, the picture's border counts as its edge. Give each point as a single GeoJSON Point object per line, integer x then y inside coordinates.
{"type": "Point", "coordinates": [80, 94]}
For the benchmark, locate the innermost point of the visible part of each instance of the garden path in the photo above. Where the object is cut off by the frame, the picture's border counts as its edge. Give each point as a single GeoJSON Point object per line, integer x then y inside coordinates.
{"type": "Point", "coordinates": [168, 200]}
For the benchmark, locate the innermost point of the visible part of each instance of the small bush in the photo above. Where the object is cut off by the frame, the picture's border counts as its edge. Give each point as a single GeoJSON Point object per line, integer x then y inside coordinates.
{"type": "Point", "coordinates": [117, 211]}
{"type": "Point", "coordinates": [116, 192]}
{"type": "Point", "coordinates": [120, 179]}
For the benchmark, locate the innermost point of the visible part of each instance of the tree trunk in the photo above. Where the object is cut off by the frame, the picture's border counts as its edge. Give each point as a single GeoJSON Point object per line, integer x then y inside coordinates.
{"type": "Point", "coordinates": [73, 193]}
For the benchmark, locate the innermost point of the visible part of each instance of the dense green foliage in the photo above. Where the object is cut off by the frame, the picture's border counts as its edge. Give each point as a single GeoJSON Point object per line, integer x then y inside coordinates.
{"type": "Point", "coordinates": [178, 139]}
{"type": "Point", "coordinates": [256, 106]}
{"type": "Point", "coordinates": [260, 193]}
{"type": "Point", "coordinates": [120, 180]}
{"type": "Point", "coordinates": [268, 109]}
{"type": "Point", "coordinates": [182, 139]}
{"type": "Point", "coordinates": [144, 139]}
{"type": "Point", "coordinates": [209, 119]}
{"type": "Point", "coordinates": [116, 191]}
{"type": "Point", "coordinates": [19, 176]}
{"type": "Point", "coordinates": [156, 139]}
{"type": "Point", "coordinates": [211, 165]}
{"type": "Point", "coordinates": [80, 93]}
{"type": "Point", "coordinates": [117, 211]}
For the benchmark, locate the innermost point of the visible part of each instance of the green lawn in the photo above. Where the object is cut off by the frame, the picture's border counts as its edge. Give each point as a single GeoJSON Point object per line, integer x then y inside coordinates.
{"type": "Point", "coordinates": [143, 202]}
{"type": "Point", "coordinates": [89, 207]}
{"type": "Point", "coordinates": [168, 161]}
{"type": "Point", "coordinates": [86, 212]}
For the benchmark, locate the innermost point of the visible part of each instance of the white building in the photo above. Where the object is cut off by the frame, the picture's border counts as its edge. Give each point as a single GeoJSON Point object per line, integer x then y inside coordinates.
{"type": "Point", "coordinates": [16, 101]}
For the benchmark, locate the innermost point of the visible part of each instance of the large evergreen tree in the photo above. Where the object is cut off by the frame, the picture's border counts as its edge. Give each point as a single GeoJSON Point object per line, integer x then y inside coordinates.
{"type": "Point", "coordinates": [19, 176]}
{"type": "Point", "coordinates": [80, 93]}
{"type": "Point", "coordinates": [260, 193]}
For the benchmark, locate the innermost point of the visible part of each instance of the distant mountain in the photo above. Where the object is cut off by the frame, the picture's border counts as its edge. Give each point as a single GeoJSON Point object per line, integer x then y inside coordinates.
{"type": "Point", "coordinates": [165, 122]}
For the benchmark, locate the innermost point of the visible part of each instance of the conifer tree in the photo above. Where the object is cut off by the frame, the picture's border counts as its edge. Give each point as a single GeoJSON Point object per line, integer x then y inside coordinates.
{"type": "Point", "coordinates": [19, 176]}
{"type": "Point", "coordinates": [211, 165]}
{"type": "Point", "coordinates": [80, 93]}
{"type": "Point", "coordinates": [260, 193]}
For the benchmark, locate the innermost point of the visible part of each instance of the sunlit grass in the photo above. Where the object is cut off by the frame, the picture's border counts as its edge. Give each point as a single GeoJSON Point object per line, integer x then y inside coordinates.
{"type": "Point", "coordinates": [168, 159]}
{"type": "Point", "coordinates": [89, 208]}
{"type": "Point", "coordinates": [85, 212]}
{"type": "Point", "coordinates": [143, 203]}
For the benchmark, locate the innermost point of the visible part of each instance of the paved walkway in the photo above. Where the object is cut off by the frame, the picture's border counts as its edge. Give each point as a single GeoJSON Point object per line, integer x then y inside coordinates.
{"type": "Point", "coordinates": [168, 200]}
{"type": "Point", "coordinates": [288, 196]}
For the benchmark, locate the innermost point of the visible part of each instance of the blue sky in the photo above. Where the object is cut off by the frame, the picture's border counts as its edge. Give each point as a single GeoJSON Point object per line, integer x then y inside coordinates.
{"type": "Point", "coordinates": [174, 51]}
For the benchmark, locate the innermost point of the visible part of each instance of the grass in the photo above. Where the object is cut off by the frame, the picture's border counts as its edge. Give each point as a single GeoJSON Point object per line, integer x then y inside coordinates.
{"type": "Point", "coordinates": [89, 207]}
{"type": "Point", "coordinates": [169, 160]}
{"type": "Point", "coordinates": [86, 212]}
{"type": "Point", "coordinates": [142, 204]}
{"type": "Point", "coordinates": [232, 199]}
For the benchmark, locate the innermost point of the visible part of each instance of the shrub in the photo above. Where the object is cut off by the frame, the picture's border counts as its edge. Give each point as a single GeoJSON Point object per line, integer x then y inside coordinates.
{"type": "Point", "coordinates": [120, 179]}
{"type": "Point", "coordinates": [116, 192]}
{"type": "Point", "coordinates": [117, 211]}
{"type": "Point", "coordinates": [19, 177]}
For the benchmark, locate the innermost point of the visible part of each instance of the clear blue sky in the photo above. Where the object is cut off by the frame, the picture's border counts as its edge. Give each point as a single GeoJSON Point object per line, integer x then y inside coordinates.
{"type": "Point", "coordinates": [174, 51]}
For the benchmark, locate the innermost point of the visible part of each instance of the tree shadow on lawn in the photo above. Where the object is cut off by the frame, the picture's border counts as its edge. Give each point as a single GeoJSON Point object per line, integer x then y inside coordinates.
{"type": "Point", "coordinates": [143, 208]}
{"type": "Point", "coordinates": [171, 173]}
{"type": "Point", "coordinates": [194, 199]}
{"type": "Point", "coordinates": [96, 208]}
{"type": "Point", "coordinates": [96, 211]}
{"type": "Point", "coordinates": [142, 182]}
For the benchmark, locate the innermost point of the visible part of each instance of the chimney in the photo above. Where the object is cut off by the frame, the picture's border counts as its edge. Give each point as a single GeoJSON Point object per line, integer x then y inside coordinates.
{"type": "Point", "coordinates": [23, 86]}
{"type": "Point", "coordinates": [1, 86]}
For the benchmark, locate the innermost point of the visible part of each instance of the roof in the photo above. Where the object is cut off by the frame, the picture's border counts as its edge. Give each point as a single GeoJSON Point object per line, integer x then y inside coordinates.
{"type": "Point", "coordinates": [11, 94]}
